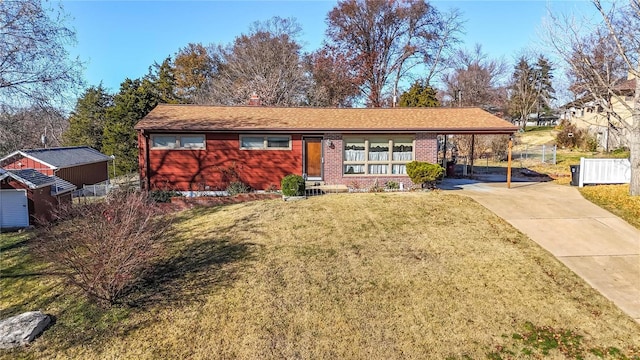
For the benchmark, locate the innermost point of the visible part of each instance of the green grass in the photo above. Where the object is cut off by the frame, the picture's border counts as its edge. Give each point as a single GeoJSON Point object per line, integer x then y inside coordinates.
{"type": "Point", "coordinates": [375, 276]}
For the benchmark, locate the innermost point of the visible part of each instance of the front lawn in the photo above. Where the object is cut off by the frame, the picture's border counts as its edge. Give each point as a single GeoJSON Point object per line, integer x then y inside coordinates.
{"type": "Point", "coordinates": [371, 276]}
{"type": "Point", "coordinates": [616, 199]}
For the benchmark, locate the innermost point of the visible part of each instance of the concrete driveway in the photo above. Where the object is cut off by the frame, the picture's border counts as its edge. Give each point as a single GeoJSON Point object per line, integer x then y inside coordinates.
{"type": "Point", "coordinates": [597, 245]}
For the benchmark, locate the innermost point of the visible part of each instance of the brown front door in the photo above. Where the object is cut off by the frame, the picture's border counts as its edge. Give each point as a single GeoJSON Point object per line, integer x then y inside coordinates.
{"type": "Point", "coordinates": [313, 158]}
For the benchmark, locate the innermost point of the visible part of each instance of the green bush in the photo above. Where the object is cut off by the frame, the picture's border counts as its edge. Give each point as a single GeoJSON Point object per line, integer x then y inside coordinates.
{"type": "Point", "coordinates": [423, 172]}
{"type": "Point", "coordinates": [392, 185]}
{"type": "Point", "coordinates": [163, 196]}
{"type": "Point", "coordinates": [237, 187]}
{"type": "Point", "coordinates": [293, 185]}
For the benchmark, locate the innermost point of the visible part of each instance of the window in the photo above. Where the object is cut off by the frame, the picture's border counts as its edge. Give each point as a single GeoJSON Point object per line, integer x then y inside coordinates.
{"type": "Point", "coordinates": [181, 142]}
{"type": "Point", "coordinates": [377, 156]}
{"type": "Point", "coordinates": [265, 142]}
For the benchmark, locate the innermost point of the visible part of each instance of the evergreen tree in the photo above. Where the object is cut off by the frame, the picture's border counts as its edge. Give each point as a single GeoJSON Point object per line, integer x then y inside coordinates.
{"type": "Point", "coordinates": [419, 95]}
{"type": "Point", "coordinates": [164, 80]}
{"type": "Point", "coordinates": [546, 91]}
{"type": "Point", "coordinates": [86, 123]}
{"type": "Point", "coordinates": [524, 91]}
{"type": "Point", "coordinates": [134, 101]}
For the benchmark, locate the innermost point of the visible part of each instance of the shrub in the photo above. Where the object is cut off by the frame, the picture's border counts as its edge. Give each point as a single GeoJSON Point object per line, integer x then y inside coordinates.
{"type": "Point", "coordinates": [107, 247]}
{"type": "Point", "coordinates": [163, 196]}
{"type": "Point", "coordinates": [569, 136]}
{"type": "Point", "coordinates": [392, 185]}
{"type": "Point", "coordinates": [293, 185]}
{"type": "Point", "coordinates": [424, 173]}
{"type": "Point", "coordinates": [237, 187]}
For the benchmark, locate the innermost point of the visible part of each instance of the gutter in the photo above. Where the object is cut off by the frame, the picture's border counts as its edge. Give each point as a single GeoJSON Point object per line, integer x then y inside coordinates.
{"type": "Point", "coordinates": [460, 131]}
{"type": "Point", "coordinates": [147, 167]}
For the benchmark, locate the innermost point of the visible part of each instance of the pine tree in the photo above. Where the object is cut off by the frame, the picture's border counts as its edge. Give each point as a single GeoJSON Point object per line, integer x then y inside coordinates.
{"type": "Point", "coordinates": [164, 80]}
{"type": "Point", "coordinates": [524, 91]}
{"type": "Point", "coordinates": [419, 95]}
{"type": "Point", "coordinates": [86, 123]}
{"type": "Point", "coordinates": [546, 92]}
{"type": "Point", "coordinates": [134, 101]}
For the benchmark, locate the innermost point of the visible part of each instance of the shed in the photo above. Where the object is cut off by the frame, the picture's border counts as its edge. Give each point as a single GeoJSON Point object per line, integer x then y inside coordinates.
{"type": "Point", "coordinates": [42, 192]}
{"type": "Point", "coordinates": [79, 165]}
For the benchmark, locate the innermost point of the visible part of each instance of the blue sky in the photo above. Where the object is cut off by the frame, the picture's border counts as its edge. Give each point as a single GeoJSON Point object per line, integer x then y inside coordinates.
{"type": "Point", "coordinates": [120, 39]}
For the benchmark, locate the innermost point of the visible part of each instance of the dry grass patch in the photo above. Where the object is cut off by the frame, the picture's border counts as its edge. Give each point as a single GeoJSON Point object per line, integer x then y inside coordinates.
{"type": "Point", "coordinates": [375, 276]}
{"type": "Point", "coordinates": [616, 199]}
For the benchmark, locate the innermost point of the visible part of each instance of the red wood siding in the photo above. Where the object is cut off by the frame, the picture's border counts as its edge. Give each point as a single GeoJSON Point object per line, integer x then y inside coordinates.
{"type": "Point", "coordinates": [78, 175]}
{"type": "Point", "coordinates": [185, 170]}
{"type": "Point", "coordinates": [27, 163]}
{"type": "Point", "coordinates": [85, 174]}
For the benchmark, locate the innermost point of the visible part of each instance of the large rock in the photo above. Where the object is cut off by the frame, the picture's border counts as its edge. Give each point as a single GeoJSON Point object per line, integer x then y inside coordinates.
{"type": "Point", "coordinates": [22, 329]}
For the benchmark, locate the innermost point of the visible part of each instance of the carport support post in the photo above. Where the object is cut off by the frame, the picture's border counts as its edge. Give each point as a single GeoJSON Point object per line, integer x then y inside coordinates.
{"type": "Point", "coordinates": [509, 164]}
{"type": "Point", "coordinates": [473, 145]}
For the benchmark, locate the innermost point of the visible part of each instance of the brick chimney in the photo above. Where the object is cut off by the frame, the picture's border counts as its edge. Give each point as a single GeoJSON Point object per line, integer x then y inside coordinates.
{"type": "Point", "coordinates": [254, 100]}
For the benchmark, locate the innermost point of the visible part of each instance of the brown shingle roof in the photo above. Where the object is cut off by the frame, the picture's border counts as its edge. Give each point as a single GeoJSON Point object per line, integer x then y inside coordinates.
{"type": "Point", "coordinates": [248, 118]}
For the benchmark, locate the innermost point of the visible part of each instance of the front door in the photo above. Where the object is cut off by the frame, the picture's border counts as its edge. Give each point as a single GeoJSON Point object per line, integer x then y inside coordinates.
{"type": "Point", "coordinates": [313, 158]}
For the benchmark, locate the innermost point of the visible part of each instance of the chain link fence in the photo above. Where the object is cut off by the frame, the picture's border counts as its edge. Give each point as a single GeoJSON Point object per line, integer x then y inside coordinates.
{"type": "Point", "coordinates": [535, 154]}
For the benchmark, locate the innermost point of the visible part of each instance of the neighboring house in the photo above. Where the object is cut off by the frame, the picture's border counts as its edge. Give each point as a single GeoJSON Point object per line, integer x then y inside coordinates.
{"type": "Point", "coordinates": [191, 147]}
{"type": "Point", "coordinates": [591, 116]}
{"type": "Point", "coordinates": [79, 165]}
{"type": "Point", "coordinates": [40, 193]}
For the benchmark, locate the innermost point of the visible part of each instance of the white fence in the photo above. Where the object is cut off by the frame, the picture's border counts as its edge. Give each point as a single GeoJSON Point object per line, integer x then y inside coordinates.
{"type": "Point", "coordinates": [604, 171]}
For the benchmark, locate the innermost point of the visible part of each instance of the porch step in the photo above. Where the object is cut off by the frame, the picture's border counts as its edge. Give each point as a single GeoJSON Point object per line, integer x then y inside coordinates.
{"type": "Point", "coordinates": [311, 183]}
{"type": "Point", "coordinates": [326, 189]}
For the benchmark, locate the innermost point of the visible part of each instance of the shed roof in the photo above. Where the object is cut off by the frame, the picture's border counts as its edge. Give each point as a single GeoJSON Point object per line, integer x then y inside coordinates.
{"type": "Point", "coordinates": [60, 157]}
{"type": "Point", "coordinates": [30, 177]}
{"type": "Point", "coordinates": [35, 180]}
{"type": "Point", "coordinates": [189, 118]}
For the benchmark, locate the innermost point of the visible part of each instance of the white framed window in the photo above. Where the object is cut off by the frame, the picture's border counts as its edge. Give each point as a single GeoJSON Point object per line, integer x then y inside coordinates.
{"type": "Point", "coordinates": [265, 142]}
{"type": "Point", "coordinates": [377, 155]}
{"type": "Point", "coordinates": [178, 142]}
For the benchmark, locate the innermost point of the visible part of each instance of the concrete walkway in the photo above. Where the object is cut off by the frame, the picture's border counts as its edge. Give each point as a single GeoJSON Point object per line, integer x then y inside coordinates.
{"type": "Point", "coordinates": [597, 245]}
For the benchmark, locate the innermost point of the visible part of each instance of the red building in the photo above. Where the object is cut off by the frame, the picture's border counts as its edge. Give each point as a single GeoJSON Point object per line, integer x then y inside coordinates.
{"type": "Point", "coordinates": [192, 147]}
{"type": "Point", "coordinates": [41, 194]}
{"type": "Point", "coordinates": [79, 165]}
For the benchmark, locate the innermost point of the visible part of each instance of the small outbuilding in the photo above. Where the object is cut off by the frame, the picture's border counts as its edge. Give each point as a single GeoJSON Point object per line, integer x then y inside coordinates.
{"type": "Point", "coordinates": [79, 165]}
{"type": "Point", "coordinates": [27, 195]}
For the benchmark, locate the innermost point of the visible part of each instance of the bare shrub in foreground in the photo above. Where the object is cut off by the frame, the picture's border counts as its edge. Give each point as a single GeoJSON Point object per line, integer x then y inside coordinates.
{"type": "Point", "coordinates": [105, 248]}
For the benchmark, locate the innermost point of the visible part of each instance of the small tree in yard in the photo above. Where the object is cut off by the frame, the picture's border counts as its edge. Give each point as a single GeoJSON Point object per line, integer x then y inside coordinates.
{"type": "Point", "coordinates": [424, 173]}
{"type": "Point", "coordinates": [107, 247]}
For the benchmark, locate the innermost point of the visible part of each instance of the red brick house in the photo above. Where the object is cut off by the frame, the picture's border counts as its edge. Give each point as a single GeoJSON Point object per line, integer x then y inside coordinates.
{"type": "Point", "coordinates": [192, 147]}
{"type": "Point", "coordinates": [43, 193]}
{"type": "Point", "coordinates": [79, 165]}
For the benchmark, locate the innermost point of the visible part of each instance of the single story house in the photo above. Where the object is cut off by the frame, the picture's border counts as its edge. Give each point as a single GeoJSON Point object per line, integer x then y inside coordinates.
{"type": "Point", "coordinates": [79, 165]}
{"type": "Point", "coordinates": [27, 195]}
{"type": "Point", "coordinates": [200, 148]}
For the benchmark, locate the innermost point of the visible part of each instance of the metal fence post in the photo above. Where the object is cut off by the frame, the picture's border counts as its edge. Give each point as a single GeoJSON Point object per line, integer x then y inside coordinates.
{"type": "Point", "coordinates": [543, 150]}
{"type": "Point", "coordinates": [555, 147]}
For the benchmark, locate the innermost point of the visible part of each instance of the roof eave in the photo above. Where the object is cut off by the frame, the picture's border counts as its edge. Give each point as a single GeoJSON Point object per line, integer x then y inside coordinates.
{"type": "Point", "coordinates": [488, 130]}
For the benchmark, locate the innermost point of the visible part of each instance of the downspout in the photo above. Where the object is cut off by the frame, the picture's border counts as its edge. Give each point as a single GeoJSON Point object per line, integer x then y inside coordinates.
{"type": "Point", "coordinates": [147, 168]}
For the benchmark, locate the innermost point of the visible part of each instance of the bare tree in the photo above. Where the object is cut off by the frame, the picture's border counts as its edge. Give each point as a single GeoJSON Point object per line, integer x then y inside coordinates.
{"type": "Point", "coordinates": [334, 83]}
{"type": "Point", "coordinates": [35, 68]}
{"type": "Point", "coordinates": [31, 128]}
{"type": "Point", "coordinates": [384, 40]}
{"type": "Point", "coordinates": [476, 80]}
{"type": "Point", "coordinates": [267, 62]}
{"type": "Point", "coordinates": [598, 61]}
